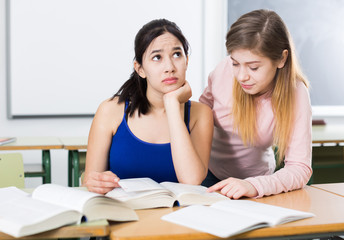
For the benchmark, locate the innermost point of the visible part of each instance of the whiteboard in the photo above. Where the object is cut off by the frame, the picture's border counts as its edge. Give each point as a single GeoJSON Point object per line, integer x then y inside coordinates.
{"type": "Point", "coordinates": [66, 56]}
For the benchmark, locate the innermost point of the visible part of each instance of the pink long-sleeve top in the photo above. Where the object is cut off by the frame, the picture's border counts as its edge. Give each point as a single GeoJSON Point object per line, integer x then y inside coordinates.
{"type": "Point", "coordinates": [231, 158]}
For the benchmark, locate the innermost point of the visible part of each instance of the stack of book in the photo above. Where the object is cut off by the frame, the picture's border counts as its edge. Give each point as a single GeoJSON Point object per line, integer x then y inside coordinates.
{"type": "Point", "coordinates": [6, 140]}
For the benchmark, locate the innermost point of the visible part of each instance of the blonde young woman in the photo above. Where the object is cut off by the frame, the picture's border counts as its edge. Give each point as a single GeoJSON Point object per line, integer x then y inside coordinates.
{"type": "Point", "coordinates": [259, 99]}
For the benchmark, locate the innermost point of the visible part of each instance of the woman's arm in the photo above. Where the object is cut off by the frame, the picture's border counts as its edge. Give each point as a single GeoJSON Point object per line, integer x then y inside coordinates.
{"type": "Point", "coordinates": [104, 125]}
{"type": "Point", "coordinates": [190, 152]}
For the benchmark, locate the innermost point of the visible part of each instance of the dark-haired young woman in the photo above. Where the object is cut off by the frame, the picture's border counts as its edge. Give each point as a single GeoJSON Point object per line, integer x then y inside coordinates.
{"type": "Point", "coordinates": [149, 128]}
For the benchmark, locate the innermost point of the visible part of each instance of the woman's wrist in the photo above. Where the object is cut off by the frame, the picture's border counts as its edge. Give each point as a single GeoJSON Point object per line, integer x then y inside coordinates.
{"type": "Point", "coordinates": [170, 101]}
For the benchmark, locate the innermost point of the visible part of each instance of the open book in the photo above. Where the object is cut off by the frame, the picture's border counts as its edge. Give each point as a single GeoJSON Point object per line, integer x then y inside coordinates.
{"type": "Point", "coordinates": [141, 193]}
{"type": "Point", "coordinates": [51, 206]}
{"type": "Point", "coordinates": [230, 217]}
{"type": "Point", "coordinates": [4, 141]}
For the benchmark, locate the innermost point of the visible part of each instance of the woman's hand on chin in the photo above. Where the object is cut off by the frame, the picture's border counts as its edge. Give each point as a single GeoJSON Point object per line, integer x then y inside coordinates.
{"type": "Point", "coordinates": [182, 94]}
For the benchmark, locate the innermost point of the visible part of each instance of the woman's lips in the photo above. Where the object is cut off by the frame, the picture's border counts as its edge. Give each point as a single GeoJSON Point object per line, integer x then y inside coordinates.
{"type": "Point", "coordinates": [246, 86]}
{"type": "Point", "coordinates": [171, 80]}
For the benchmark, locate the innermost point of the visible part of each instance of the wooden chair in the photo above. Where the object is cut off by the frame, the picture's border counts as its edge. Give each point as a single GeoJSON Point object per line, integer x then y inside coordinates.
{"type": "Point", "coordinates": [11, 170]}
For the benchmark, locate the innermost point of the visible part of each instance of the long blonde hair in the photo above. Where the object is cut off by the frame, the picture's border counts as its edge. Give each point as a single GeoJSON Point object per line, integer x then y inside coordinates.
{"type": "Point", "coordinates": [264, 32]}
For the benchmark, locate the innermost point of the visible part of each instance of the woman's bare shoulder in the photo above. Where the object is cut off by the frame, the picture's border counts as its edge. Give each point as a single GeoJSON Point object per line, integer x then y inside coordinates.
{"type": "Point", "coordinates": [110, 110]}
{"type": "Point", "coordinates": [200, 111]}
{"type": "Point", "coordinates": [198, 107]}
{"type": "Point", "coordinates": [110, 105]}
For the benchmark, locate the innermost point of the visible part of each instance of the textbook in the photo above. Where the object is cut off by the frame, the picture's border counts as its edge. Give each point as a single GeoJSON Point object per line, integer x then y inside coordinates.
{"type": "Point", "coordinates": [4, 141]}
{"type": "Point", "coordinates": [231, 217]}
{"type": "Point", "coordinates": [51, 206]}
{"type": "Point", "coordinates": [142, 193]}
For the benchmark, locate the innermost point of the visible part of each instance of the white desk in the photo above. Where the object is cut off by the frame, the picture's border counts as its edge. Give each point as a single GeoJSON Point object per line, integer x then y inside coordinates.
{"type": "Point", "coordinates": [331, 133]}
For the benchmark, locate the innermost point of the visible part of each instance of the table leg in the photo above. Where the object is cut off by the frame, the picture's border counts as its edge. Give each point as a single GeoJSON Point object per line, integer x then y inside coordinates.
{"type": "Point", "coordinates": [73, 168]}
{"type": "Point", "coordinates": [76, 167]}
{"type": "Point", "coordinates": [46, 163]}
{"type": "Point", "coordinates": [70, 168]}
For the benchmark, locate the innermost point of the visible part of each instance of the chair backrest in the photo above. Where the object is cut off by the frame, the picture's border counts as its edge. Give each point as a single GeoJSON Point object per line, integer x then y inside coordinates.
{"type": "Point", "coordinates": [11, 170]}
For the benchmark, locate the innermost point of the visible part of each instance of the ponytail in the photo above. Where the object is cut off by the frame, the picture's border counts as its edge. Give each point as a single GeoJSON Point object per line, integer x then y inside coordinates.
{"type": "Point", "coordinates": [134, 91]}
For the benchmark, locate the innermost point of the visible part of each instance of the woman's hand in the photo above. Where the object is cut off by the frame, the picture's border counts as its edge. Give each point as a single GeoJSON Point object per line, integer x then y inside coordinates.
{"type": "Point", "coordinates": [101, 182]}
{"type": "Point", "coordinates": [182, 94]}
{"type": "Point", "coordinates": [234, 188]}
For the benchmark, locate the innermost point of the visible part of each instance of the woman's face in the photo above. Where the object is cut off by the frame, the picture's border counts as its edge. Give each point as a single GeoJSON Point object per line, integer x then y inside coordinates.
{"type": "Point", "coordinates": [164, 64]}
{"type": "Point", "coordinates": [254, 73]}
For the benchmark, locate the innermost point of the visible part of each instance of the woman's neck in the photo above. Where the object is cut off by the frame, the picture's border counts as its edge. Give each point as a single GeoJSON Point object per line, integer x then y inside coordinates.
{"type": "Point", "coordinates": [156, 101]}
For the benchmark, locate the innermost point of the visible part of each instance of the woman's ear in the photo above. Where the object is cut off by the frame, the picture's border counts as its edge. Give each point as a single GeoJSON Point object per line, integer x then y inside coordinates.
{"type": "Point", "coordinates": [284, 58]}
{"type": "Point", "coordinates": [138, 68]}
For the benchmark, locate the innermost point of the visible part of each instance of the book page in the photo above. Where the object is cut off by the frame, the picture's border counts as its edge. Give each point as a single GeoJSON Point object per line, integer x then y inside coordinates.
{"type": "Point", "coordinates": [122, 195]}
{"type": "Point", "coordinates": [272, 214]}
{"type": "Point", "coordinates": [142, 193]}
{"type": "Point", "coordinates": [139, 184]}
{"type": "Point", "coordinates": [69, 197]}
{"type": "Point", "coordinates": [213, 221]}
{"type": "Point", "coordinates": [188, 194]}
{"type": "Point", "coordinates": [19, 211]}
{"type": "Point", "coordinates": [180, 188]}
{"type": "Point", "coordinates": [4, 141]}
{"type": "Point", "coordinates": [8, 194]}
{"type": "Point", "coordinates": [25, 210]}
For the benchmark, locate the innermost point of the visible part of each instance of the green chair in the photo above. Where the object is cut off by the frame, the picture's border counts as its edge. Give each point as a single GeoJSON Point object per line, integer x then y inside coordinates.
{"type": "Point", "coordinates": [281, 164]}
{"type": "Point", "coordinates": [42, 170]}
{"type": "Point", "coordinates": [11, 170]}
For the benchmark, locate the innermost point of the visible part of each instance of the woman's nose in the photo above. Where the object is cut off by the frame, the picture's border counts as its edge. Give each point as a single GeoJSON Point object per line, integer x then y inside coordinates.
{"type": "Point", "coordinates": [242, 74]}
{"type": "Point", "coordinates": [169, 65]}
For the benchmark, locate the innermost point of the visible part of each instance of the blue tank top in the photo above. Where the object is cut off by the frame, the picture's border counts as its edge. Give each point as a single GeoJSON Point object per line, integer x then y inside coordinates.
{"type": "Point", "coordinates": [130, 157]}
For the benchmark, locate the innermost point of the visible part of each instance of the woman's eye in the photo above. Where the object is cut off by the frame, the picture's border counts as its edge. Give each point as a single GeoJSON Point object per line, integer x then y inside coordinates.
{"type": "Point", "coordinates": [235, 64]}
{"type": "Point", "coordinates": [156, 58]}
{"type": "Point", "coordinates": [177, 54]}
{"type": "Point", "coordinates": [254, 68]}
